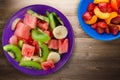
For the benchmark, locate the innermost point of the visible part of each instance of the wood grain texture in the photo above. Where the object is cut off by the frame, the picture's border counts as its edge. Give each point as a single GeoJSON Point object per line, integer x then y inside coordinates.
{"type": "Point", "coordinates": [90, 60]}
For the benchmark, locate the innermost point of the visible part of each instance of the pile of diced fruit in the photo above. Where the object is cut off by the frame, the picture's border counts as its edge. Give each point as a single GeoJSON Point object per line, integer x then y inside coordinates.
{"type": "Point", "coordinates": [103, 16]}
{"type": "Point", "coordinates": [38, 40]}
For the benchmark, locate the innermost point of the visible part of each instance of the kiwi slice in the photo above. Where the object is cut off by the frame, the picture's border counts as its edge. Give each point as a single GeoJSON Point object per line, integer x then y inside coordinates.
{"type": "Point", "coordinates": [44, 18]}
{"type": "Point", "coordinates": [15, 50]}
{"type": "Point", "coordinates": [44, 52]}
{"type": "Point", "coordinates": [39, 35]}
{"type": "Point", "coordinates": [30, 64]}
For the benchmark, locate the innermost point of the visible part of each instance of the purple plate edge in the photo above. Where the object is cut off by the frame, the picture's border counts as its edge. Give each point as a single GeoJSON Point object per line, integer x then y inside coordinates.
{"type": "Point", "coordinates": [72, 34]}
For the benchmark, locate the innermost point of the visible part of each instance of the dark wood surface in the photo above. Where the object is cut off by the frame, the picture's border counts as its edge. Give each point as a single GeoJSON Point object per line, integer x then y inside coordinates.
{"type": "Point", "coordinates": [90, 60]}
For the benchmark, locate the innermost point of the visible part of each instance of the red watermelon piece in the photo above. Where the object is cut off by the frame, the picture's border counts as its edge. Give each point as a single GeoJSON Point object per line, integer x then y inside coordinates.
{"type": "Point", "coordinates": [13, 40]}
{"type": "Point", "coordinates": [45, 65]}
{"type": "Point", "coordinates": [63, 46]}
{"type": "Point", "coordinates": [51, 63]}
{"type": "Point", "coordinates": [53, 44]}
{"type": "Point", "coordinates": [30, 20]}
{"type": "Point", "coordinates": [22, 31]}
{"type": "Point", "coordinates": [29, 40]}
{"type": "Point", "coordinates": [48, 64]}
{"type": "Point", "coordinates": [28, 50]}
{"type": "Point", "coordinates": [36, 45]}
{"type": "Point", "coordinates": [43, 25]}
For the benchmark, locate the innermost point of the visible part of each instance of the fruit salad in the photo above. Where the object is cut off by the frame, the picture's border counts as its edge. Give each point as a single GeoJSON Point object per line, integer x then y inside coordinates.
{"type": "Point", "coordinates": [38, 40]}
{"type": "Point", "coordinates": [103, 16]}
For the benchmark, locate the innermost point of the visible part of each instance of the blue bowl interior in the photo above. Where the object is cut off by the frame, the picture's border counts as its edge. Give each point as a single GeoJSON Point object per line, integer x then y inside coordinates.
{"type": "Point", "coordinates": [82, 8]}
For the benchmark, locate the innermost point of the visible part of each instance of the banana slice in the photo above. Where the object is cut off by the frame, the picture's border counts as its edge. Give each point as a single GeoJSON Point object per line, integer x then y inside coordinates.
{"type": "Point", "coordinates": [24, 58]}
{"type": "Point", "coordinates": [60, 32]}
{"type": "Point", "coordinates": [54, 56]}
{"type": "Point", "coordinates": [33, 58]}
{"type": "Point", "coordinates": [15, 23]}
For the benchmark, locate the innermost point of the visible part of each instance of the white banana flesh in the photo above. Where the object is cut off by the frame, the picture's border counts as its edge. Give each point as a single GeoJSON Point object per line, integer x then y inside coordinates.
{"type": "Point", "coordinates": [24, 58]}
{"type": "Point", "coordinates": [60, 32]}
{"type": "Point", "coordinates": [54, 56]}
{"type": "Point", "coordinates": [34, 58]}
{"type": "Point", "coordinates": [15, 23]}
{"type": "Point", "coordinates": [11, 54]}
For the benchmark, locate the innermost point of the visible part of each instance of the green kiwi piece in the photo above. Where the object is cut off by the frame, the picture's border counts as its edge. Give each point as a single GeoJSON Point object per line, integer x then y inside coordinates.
{"type": "Point", "coordinates": [30, 64]}
{"type": "Point", "coordinates": [47, 13]}
{"type": "Point", "coordinates": [58, 21]}
{"type": "Point", "coordinates": [15, 50]}
{"type": "Point", "coordinates": [44, 51]}
{"type": "Point", "coordinates": [39, 35]}
{"type": "Point", "coordinates": [20, 43]}
{"type": "Point", "coordinates": [38, 15]}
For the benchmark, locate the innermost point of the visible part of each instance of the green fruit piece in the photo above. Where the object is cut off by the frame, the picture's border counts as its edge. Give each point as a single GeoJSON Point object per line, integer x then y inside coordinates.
{"type": "Point", "coordinates": [30, 64]}
{"type": "Point", "coordinates": [39, 35]}
{"type": "Point", "coordinates": [38, 15]}
{"type": "Point", "coordinates": [52, 21]}
{"type": "Point", "coordinates": [13, 49]}
{"type": "Point", "coordinates": [20, 43]}
{"type": "Point", "coordinates": [58, 21]}
{"type": "Point", "coordinates": [44, 50]}
{"type": "Point", "coordinates": [47, 13]}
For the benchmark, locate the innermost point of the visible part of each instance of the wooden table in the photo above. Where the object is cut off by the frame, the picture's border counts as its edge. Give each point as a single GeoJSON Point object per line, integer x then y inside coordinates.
{"type": "Point", "coordinates": [90, 60]}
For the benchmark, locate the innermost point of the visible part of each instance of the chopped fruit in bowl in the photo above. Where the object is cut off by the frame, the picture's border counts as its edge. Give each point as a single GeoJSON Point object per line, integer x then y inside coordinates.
{"type": "Point", "coordinates": [35, 41]}
{"type": "Point", "coordinates": [87, 16]}
{"type": "Point", "coordinates": [38, 43]}
{"type": "Point", "coordinates": [100, 18]}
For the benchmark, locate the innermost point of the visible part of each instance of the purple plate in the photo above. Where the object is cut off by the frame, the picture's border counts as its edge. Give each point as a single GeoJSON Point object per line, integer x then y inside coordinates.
{"type": "Point", "coordinates": [41, 9]}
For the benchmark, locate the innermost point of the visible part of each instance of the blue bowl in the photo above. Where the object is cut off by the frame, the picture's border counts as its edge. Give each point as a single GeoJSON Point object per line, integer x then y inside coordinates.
{"type": "Point", "coordinates": [82, 8]}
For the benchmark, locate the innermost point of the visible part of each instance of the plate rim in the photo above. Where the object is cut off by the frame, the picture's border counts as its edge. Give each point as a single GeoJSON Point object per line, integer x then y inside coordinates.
{"type": "Point", "coordinates": [21, 9]}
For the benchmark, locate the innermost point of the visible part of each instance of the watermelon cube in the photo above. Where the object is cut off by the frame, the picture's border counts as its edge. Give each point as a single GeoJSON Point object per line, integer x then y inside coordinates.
{"type": "Point", "coordinates": [36, 45]}
{"type": "Point", "coordinates": [53, 44]}
{"type": "Point", "coordinates": [45, 65]}
{"type": "Point", "coordinates": [48, 64]}
{"type": "Point", "coordinates": [29, 40]}
{"type": "Point", "coordinates": [30, 20]}
{"type": "Point", "coordinates": [51, 63]}
{"type": "Point", "coordinates": [28, 50]}
{"type": "Point", "coordinates": [63, 46]}
{"type": "Point", "coordinates": [13, 40]}
{"type": "Point", "coordinates": [43, 25]}
{"type": "Point", "coordinates": [22, 31]}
